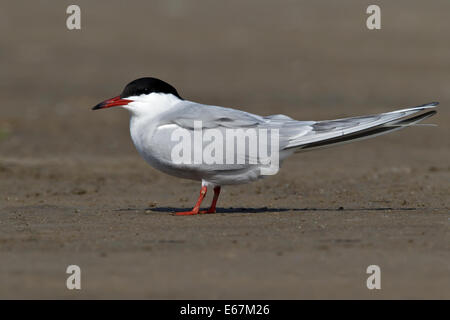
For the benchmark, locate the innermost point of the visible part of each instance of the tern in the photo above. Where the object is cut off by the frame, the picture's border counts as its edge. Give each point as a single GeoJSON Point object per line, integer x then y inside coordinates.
{"type": "Point", "coordinates": [157, 112]}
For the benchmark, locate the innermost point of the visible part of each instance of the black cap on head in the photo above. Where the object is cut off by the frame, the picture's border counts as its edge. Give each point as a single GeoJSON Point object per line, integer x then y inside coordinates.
{"type": "Point", "coordinates": [146, 86]}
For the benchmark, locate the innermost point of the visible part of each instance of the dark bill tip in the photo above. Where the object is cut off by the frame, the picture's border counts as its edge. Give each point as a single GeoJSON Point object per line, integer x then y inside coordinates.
{"type": "Point", "coordinates": [116, 101]}
{"type": "Point", "coordinates": [98, 106]}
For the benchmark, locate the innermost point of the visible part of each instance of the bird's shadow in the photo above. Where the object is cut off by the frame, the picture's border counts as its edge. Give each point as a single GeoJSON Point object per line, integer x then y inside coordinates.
{"type": "Point", "coordinates": [267, 209]}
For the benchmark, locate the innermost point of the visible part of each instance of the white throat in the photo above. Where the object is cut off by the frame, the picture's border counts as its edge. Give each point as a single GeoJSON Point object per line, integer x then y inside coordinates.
{"type": "Point", "coordinates": [151, 105]}
{"type": "Point", "coordinates": [144, 111]}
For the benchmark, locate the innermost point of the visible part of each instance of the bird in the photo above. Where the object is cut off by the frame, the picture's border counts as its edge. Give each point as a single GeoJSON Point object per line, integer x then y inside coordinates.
{"type": "Point", "coordinates": [157, 112]}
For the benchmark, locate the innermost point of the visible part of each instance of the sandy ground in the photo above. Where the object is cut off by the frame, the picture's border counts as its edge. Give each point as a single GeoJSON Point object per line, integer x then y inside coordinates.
{"type": "Point", "coordinates": [73, 190]}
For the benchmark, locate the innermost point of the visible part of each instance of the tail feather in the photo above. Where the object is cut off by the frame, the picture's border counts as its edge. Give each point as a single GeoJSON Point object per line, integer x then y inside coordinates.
{"type": "Point", "coordinates": [336, 132]}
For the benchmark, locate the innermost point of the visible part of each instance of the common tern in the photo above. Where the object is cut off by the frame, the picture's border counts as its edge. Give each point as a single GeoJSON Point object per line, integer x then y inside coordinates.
{"type": "Point", "coordinates": [158, 112]}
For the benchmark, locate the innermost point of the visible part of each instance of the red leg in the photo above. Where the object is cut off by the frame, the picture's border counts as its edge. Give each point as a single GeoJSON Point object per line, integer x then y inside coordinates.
{"type": "Point", "coordinates": [197, 206]}
{"type": "Point", "coordinates": [212, 209]}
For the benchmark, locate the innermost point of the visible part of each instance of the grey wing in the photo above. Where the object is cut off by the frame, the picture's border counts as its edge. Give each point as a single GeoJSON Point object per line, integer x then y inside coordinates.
{"type": "Point", "coordinates": [176, 135]}
{"type": "Point", "coordinates": [186, 113]}
{"type": "Point", "coordinates": [219, 120]}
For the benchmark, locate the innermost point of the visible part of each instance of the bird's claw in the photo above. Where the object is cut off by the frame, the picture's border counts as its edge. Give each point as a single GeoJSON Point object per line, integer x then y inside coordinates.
{"type": "Point", "coordinates": [186, 213]}
{"type": "Point", "coordinates": [190, 213]}
{"type": "Point", "coordinates": [208, 211]}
